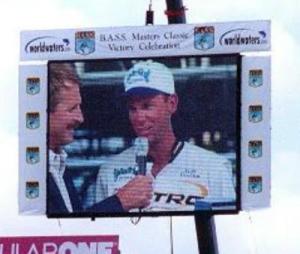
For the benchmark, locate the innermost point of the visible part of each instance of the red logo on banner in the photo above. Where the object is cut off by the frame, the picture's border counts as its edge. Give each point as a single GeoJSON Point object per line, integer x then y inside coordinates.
{"type": "Point", "coordinates": [60, 245]}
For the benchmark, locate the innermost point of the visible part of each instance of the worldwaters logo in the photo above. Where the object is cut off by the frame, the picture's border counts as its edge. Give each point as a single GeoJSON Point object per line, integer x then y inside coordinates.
{"type": "Point", "coordinates": [47, 44]}
{"type": "Point", "coordinates": [243, 37]}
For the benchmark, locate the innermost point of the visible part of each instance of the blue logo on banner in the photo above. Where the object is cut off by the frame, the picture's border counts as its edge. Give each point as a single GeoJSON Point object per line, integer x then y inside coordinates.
{"type": "Point", "coordinates": [32, 120]}
{"type": "Point", "coordinates": [255, 78]}
{"type": "Point", "coordinates": [32, 155]}
{"type": "Point", "coordinates": [204, 37]}
{"type": "Point", "coordinates": [32, 86]}
{"type": "Point", "coordinates": [85, 42]}
{"type": "Point", "coordinates": [255, 113]}
{"type": "Point", "coordinates": [32, 190]}
{"type": "Point", "coordinates": [47, 44]}
{"type": "Point", "coordinates": [255, 149]}
{"type": "Point", "coordinates": [255, 184]}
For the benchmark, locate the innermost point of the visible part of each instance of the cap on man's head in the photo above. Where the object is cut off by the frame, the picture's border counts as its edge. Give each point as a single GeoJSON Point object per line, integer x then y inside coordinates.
{"type": "Point", "coordinates": [149, 78]}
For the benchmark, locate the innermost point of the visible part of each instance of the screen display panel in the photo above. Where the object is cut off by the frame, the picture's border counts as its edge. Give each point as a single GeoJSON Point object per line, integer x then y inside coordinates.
{"type": "Point", "coordinates": [144, 136]}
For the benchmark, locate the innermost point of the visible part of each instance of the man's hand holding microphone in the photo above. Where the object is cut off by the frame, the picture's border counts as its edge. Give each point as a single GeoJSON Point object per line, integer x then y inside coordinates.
{"type": "Point", "coordinates": [138, 192]}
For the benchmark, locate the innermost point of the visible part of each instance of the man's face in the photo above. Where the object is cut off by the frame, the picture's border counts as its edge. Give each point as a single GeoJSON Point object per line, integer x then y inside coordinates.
{"type": "Point", "coordinates": [150, 116]}
{"type": "Point", "coordinates": [66, 116]}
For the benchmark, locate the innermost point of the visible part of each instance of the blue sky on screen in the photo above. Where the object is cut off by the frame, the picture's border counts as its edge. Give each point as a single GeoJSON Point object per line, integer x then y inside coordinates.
{"type": "Point", "coordinates": [273, 230]}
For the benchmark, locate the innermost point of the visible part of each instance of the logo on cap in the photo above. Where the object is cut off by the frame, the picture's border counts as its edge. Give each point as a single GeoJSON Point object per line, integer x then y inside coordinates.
{"type": "Point", "coordinates": [149, 77]}
{"type": "Point", "coordinates": [138, 75]}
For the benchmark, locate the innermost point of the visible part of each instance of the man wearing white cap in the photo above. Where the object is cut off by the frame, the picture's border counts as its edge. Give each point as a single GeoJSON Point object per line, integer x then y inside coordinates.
{"type": "Point", "coordinates": [184, 176]}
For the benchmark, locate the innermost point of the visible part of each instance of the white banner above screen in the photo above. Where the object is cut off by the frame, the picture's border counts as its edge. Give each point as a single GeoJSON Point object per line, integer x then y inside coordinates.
{"type": "Point", "coordinates": [171, 40]}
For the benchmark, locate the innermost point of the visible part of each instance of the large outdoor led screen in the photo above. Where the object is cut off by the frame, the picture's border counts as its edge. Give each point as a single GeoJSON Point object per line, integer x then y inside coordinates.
{"type": "Point", "coordinates": [144, 136]}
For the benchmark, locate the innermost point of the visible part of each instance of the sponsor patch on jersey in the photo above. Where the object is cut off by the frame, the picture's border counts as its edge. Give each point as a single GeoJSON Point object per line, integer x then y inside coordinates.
{"type": "Point", "coordinates": [174, 199]}
{"type": "Point", "coordinates": [85, 42]}
{"type": "Point", "coordinates": [32, 155]}
{"type": "Point", "coordinates": [32, 190]}
{"type": "Point", "coordinates": [255, 184]}
{"type": "Point", "coordinates": [255, 113]}
{"type": "Point", "coordinates": [191, 173]}
{"type": "Point", "coordinates": [255, 149]}
{"type": "Point", "coordinates": [33, 85]}
{"type": "Point", "coordinates": [202, 189]}
{"type": "Point", "coordinates": [124, 173]}
{"type": "Point", "coordinates": [204, 37]}
{"type": "Point", "coordinates": [255, 78]}
{"type": "Point", "coordinates": [33, 120]}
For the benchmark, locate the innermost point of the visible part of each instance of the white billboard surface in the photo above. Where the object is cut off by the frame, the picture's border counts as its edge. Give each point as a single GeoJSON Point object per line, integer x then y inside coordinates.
{"type": "Point", "coordinates": [137, 42]}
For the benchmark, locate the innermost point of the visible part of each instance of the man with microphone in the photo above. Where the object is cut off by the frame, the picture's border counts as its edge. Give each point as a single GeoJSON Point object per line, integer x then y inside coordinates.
{"type": "Point", "coordinates": [185, 176]}
{"type": "Point", "coordinates": [64, 116]}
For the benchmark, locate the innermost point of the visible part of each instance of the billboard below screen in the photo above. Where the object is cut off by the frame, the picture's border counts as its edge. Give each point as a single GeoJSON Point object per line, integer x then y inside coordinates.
{"type": "Point", "coordinates": [60, 244]}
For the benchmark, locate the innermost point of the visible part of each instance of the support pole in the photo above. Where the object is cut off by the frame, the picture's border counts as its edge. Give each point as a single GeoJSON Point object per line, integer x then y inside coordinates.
{"type": "Point", "coordinates": [150, 15]}
{"type": "Point", "coordinates": [206, 234]}
{"type": "Point", "coordinates": [175, 12]}
{"type": "Point", "coordinates": [205, 225]}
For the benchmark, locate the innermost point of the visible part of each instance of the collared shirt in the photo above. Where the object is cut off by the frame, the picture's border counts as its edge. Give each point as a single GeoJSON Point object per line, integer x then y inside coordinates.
{"type": "Point", "coordinates": [57, 166]}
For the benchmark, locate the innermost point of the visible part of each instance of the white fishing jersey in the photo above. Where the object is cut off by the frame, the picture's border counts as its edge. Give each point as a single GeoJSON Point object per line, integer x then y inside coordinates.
{"type": "Point", "coordinates": [193, 176]}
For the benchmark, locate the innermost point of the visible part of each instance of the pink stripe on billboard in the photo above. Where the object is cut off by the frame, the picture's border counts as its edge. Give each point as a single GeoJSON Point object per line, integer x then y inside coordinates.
{"type": "Point", "coordinates": [104, 244]}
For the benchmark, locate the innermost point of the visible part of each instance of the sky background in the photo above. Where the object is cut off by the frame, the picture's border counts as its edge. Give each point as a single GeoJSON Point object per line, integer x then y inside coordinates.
{"type": "Point", "coordinates": [274, 230]}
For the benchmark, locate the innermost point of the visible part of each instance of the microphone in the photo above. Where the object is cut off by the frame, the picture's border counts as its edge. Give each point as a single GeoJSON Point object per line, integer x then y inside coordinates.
{"type": "Point", "coordinates": [141, 147]}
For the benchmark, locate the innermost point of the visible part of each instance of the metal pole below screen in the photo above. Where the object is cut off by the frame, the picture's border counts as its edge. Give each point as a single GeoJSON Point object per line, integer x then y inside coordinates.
{"type": "Point", "coordinates": [205, 225]}
{"type": "Point", "coordinates": [206, 234]}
